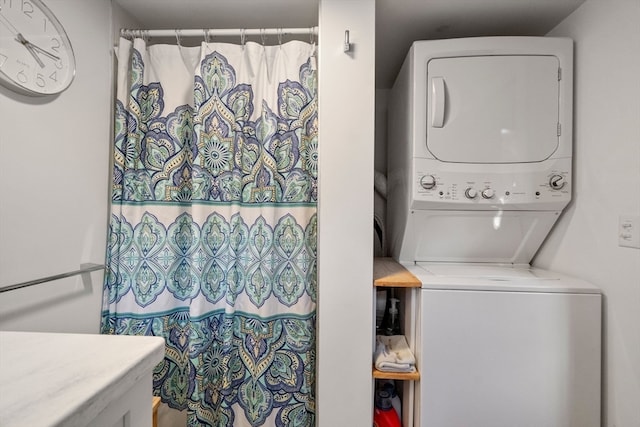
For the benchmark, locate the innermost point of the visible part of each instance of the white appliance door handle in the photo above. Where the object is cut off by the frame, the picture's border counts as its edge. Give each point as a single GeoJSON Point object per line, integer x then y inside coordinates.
{"type": "Point", "coordinates": [437, 102]}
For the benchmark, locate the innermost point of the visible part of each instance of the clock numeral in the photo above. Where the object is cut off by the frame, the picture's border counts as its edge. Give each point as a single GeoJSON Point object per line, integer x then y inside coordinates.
{"type": "Point", "coordinates": [54, 76]}
{"type": "Point", "coordinates": [40, 80]}
{"type": "Point", "coordinates": [55, 45]}
{"type": "Point", "coordinates": [9, 2]}
{"type": "Point", "coordinates": [22, 76]}
{"type": "Point", "coordinates": [27, 8]}
{"type": "Point", "coordinates": [58, 64]}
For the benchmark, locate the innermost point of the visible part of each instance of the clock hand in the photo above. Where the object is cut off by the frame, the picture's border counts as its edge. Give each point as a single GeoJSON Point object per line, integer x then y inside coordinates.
{"type": "Point", "coordinates": [30, 48]}
{"type": "Point", "coordinates": [44, 52]}
{"type": "Point", "coordinates": [25, 42]}
{"type": "Point", "coordinates": [21, 39]}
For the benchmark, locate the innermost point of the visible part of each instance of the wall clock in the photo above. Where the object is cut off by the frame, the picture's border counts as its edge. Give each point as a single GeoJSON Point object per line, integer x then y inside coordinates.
{"type": "Point", "coordinates": [36, 57]}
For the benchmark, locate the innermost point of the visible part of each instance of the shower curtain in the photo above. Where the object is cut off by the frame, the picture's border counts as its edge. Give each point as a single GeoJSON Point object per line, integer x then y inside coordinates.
{"type": "Point", "coordinates": [212, 237]}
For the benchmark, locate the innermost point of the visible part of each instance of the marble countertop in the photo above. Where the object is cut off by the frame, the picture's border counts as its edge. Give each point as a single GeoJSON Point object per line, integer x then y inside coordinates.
{"type": "Point", "coordinates": [53, 379]}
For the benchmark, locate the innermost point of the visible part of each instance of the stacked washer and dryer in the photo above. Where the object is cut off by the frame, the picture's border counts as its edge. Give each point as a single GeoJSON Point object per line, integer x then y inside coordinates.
{"type": "Point", "coordinates": [479, 170]}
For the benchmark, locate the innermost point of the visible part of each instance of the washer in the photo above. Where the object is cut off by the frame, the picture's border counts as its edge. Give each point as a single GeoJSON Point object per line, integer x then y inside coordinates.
{"type": "Point", "coordinates": [507, 346]}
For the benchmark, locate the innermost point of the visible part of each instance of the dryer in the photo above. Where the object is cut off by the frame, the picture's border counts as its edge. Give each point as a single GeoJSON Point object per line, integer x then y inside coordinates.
{"type": "Point", "coordinates": [479, 170]}
{"type": "Point", "coordinates": [479, 148]}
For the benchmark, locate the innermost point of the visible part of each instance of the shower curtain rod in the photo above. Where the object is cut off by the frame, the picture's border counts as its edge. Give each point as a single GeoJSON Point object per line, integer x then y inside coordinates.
{"type": "Point", "coordinates": [218, 32]}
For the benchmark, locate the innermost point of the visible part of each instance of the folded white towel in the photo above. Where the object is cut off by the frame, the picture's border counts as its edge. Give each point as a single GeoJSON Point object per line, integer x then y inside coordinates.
{"type": "Point", "coordinates": [393, 354]}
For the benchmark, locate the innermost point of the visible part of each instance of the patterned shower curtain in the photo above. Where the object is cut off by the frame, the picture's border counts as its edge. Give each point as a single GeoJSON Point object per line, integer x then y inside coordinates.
{"type": "Point", "coordinates": [212, 237]}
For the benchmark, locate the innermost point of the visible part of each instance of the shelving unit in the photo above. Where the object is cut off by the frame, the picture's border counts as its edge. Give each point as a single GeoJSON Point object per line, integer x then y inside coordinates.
{"type": "Point", "coordinates": [387, 273]}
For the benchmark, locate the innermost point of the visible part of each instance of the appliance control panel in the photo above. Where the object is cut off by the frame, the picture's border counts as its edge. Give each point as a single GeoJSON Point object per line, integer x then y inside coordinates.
{"type": "Point", "coordinates": [484, 186]}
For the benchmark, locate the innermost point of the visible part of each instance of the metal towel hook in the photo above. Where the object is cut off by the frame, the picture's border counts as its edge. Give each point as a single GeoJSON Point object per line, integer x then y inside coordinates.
{"type": "Point", "coordinates": [347, 44]}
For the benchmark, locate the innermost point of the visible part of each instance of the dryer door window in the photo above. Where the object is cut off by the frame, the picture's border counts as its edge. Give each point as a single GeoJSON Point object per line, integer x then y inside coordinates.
{"type": "Point", "coordinates": [493, 109]}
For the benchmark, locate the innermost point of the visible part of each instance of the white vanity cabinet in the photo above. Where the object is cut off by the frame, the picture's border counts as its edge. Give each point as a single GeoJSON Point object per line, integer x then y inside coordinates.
{"type": "Point", "coordinates": [51, 379]}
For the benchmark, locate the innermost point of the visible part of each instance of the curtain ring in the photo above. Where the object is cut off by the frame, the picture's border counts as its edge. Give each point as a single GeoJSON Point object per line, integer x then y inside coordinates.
{"type": "Point", "coordinates": [207, 39]}
{"type": "Point", "coordinates": [263, 36]}
{"type": "Point", "coordinates": [280, 36]}
{"type": "Point", "coordinates": [178, 38]}
{"type": "Point", "coordinates": [242, 37]}
{"type": "Point", "coordinates": [146, 36]}
{"type": "Point", "coordinates": [311, 39]}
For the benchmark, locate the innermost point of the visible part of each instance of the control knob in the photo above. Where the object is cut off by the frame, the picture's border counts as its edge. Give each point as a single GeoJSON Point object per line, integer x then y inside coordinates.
{"type": "Point", "coordinates": [488, 193]}
{"type": "Point", "coordinates": [556, 182]}
{"type": "Point", "coordinates": [428, 182]}
{"type": "Point", "coordinates": [471, 193]}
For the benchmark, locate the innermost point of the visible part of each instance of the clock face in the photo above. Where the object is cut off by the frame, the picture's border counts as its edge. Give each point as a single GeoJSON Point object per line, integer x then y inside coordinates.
{"type": "Point", "coordinates": [36, 57]}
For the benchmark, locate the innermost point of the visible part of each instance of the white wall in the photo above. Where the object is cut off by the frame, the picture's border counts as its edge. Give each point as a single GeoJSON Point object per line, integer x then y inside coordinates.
{"type": "Point", "coordinates": [584, 243]}
{"type": "Point", "coordinates": [54, 172]}
{"type": "Point", "coordinates": [345, 213]}
{"type": "Point", "coordinates": [54, 157]}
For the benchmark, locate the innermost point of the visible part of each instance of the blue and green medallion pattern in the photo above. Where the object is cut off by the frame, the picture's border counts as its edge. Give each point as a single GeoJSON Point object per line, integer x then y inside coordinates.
{"type": "Point", "coordinates": [212, 242]}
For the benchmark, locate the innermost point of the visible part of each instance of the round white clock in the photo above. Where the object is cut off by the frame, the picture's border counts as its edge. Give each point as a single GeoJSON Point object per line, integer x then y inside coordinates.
{"type": "Point", "coordinates": [36, 57]}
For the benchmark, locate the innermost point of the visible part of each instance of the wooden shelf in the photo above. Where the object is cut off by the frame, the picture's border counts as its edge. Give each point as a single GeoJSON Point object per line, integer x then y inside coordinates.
{"type": "Point", "coordinates": [387, 272]}
{"type": "Point", "coordinates": [403, 376]}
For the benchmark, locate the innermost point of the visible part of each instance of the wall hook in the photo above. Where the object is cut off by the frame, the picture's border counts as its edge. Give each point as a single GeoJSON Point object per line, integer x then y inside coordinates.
{"type": "Point", "coordinates": [347, 44]}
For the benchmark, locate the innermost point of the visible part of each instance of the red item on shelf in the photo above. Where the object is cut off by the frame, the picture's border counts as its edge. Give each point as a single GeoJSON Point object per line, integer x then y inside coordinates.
{"type": "Point", "coordinates": [384, 415]}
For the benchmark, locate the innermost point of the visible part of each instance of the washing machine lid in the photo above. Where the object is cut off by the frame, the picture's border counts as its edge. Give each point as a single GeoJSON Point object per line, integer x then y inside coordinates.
{"type": "Point", "coordinates": [496, 277]}
{"type": "Point", "coordinates": [493, 109]}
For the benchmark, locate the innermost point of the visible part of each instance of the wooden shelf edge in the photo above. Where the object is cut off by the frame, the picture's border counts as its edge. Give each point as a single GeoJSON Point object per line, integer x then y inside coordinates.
{"type": "Point", "coordinates": [388, 272]}
{"type": "Point", "coordinates": [404, 376]}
